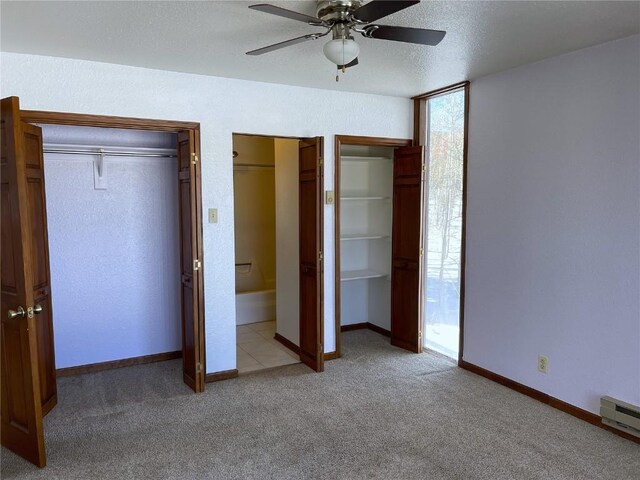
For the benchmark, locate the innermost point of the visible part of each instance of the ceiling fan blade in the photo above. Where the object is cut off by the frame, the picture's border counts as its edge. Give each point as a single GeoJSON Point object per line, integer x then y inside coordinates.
{"type": "Point", "coordinates": [377, 9]}
{"type": "Point", "coordinates": [286, 43]}
{"type": "Point", "coordinates": [283, 12]}
{"type": "Point", "coordinates": [420, 36]}
{"type": "Point", "coordinates": [352, 63]}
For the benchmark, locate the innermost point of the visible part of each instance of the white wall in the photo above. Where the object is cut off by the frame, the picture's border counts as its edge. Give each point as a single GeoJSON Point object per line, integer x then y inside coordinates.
{"type": "Point", "coordinates": [222, 106]}
{"type": "Point", "coordinates": [553, 232]}
{"type": "Point", "coordinates": [114, 253]}
{"type": "Point", "coordinates": [287, 240]}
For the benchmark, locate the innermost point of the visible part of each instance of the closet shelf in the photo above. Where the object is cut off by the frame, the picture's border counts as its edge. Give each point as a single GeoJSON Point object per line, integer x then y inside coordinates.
{"type": "Point", "coordinates": [346, 276]}
{"type": "Point", "coordinates": [362, 236]}
{"type": "Point", "coordinates": [361, 158]}
{"type": "Point", "coordinates": [355, 196]}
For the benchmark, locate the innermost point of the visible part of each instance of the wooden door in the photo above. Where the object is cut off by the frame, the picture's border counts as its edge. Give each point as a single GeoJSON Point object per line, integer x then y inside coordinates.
{"type": "Point", "coordinates": [192, 316]}
{"type": "Point", "coordinates": [406, 282]}
{"type": "Point", "coordinates": [311, 255]}
{"type": "Point", "coordinates": [24, 265]}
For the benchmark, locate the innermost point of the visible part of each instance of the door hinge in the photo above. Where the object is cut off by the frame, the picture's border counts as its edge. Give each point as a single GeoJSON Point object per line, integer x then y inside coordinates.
{"type": "Point", "coordinates": [320, 348]}
{"type": "Point", "coordinates": [320, 255]}
{"type": "Point", "coordinates": [424, 167]}
{"type": "Point", "coordinates": [321, 162]}
{"type": "Point", "coordinates": [198, 367]}
{"type": "Point", "coordinates": [421, 251]}
{"type": "Point", "coordinates": [196, 265]}
{"type": "Point", "coordinates": [194, 158]}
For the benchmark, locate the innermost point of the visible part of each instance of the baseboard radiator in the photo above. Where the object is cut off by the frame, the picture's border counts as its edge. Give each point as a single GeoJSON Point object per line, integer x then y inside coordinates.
{"type": "Point", "coordinates": [620, 415]}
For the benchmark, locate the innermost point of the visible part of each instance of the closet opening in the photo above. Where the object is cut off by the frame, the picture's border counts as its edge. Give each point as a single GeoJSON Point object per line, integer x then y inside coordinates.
{"type": "Point", "coordinates": [119, 229]}
{"type": "Point", "coordinates": [114, 247]}
{"type": "Point", "coordinates": [378, 205]}
{"type": "Point", "coordinates": [278, 251]}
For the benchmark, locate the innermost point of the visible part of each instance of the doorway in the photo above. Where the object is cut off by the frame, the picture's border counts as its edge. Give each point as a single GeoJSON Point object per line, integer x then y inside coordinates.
{"type": "Point", "coordinates": [28, 373]}
{"type": "Point", "coordinates": [379, 192]}
{"type": "Point", "coordinates": [278, 251]}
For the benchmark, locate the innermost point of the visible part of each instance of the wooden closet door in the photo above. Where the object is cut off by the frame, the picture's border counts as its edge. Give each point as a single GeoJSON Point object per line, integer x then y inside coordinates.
{"type": "Point", "coordinates": [406, 282]}
{"type": "Point", "coordinates": [311, 256]}
{"type": "Point", "coordinates": [192, 315]}
{"type": "Point", "coordinates": [24, 265]}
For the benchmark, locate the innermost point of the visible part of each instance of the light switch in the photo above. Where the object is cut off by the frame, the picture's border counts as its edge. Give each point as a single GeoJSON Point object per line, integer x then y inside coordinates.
{"type": "Point", "coordinates": [329, 197]}
{"type": "Point", "coordinates": [213, 215]}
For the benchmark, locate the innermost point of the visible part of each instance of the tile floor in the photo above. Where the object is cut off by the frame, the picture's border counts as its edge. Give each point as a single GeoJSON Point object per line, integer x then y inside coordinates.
{"type": "Point", "coordinates": [257, 349]}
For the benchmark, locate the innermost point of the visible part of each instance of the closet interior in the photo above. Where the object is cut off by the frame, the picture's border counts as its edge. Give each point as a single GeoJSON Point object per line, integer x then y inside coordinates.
{"type": "Point", "coordinates": [114, 245]}
{"type": "Point", "coordinates": [365, 219]}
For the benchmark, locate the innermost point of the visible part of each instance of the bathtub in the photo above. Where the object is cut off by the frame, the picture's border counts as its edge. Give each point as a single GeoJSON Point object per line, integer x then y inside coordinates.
{"type": "Point", "coordinates": [257, 306]}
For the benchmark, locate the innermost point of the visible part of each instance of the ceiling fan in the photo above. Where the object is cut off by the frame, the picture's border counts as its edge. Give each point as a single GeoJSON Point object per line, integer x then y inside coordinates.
{"type": "Point", "coordinates": [341, 18]}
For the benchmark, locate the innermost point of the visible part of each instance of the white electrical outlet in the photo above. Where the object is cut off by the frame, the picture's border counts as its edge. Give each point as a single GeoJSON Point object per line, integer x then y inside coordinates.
{"type": "Point", "coordinates": [213, 215]}
{"type": "Point", "coordinates": [543, 363]}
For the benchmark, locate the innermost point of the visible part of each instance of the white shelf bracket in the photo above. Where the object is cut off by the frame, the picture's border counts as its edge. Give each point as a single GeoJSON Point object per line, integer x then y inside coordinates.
{"type": "Point", "coordinates": [99, 172]}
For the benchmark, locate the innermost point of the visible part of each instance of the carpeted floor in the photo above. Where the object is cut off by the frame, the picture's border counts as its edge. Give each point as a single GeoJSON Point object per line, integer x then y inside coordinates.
{"type": "Point", "coordinates": [378, 412]}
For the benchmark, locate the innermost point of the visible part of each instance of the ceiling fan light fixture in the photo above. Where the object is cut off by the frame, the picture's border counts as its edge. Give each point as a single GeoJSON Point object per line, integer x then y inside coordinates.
{"type": "Point", "coordinates": [341, 51]}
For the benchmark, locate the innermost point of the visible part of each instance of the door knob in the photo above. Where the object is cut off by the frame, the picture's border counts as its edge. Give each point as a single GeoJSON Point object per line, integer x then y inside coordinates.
{"type": "Point", "coordinates": [37, 309]}
{"type": "Point", "coordinates": [16, 313]}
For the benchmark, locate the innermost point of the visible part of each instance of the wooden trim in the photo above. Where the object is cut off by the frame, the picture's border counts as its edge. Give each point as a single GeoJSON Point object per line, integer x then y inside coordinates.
{"type": "Point", "coordinates": [377, 329]}
{"type": "Point", "coordinates": [125, 362]}
{"type": "Point", "coordinates": [367, 326]}
{"type": "Point", "coordinates": [331, 356]}
{"type": "Point", "coordinates": [463, 240]}
{"type": "Point", "coordinates": [218, 376]}
{"type": "Point", "coordinates": [106, 121]}
{"type": "Point", "coordinates": [287, 343]}
{"type": "Point", "coordinates": [260, 135]}
{"type": "Point", "coordinates": [556, 403]}
{"type": "Point", "coordinates": [353, 326]}
{"type": "Point", "coordinates": [441, 91]}
{"type": "Point", "coordinates": [339, 141]}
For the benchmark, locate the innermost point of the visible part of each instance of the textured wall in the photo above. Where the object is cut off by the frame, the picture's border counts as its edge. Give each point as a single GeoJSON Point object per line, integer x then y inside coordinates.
{"type": "Point", "coordinates": [222, 106]}
{"type": "Point", "coordinates": [114, 253]}
{"type": "Point", "coordinates": [553, 237]}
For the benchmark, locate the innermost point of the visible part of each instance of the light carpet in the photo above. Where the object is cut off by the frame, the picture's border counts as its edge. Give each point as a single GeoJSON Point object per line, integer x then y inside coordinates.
{"type": "Point", "coordinates": [378, 412]}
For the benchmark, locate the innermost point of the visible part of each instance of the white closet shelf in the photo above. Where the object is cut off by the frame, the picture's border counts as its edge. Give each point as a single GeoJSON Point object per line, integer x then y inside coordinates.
{"type": "Point", "coordinates": [361, 158]}
{"type": "Point", "coordinates": [355, 196]}
{"type": "Point", "coordinates": [346, 276]}
{"type": "Point", "coordinates": [362, 236]}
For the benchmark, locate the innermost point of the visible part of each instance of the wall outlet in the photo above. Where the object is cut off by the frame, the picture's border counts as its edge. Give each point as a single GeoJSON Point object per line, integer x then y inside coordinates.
{"type": "Point", "coordinates": [543, 363]}
{"type": "Point", "coordinates": [213, 215]}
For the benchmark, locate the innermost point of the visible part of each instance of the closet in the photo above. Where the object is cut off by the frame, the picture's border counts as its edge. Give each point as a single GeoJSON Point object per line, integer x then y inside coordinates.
{"type": "Point", "coordinates": [114, 244]}
{"type": "Point", "coordinates": [378, 237]}
{"type": "Point", "coordinates": [366, 188]}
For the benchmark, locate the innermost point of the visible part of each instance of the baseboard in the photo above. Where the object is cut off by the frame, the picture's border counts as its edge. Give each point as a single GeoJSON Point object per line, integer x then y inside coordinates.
{"type": "Point", "coordinates": [218, 376]}
{"type": "Point", "coordinates": [331, 356]}
{"type": "Point", "coordinates": [287, 343]}
{"type": "Point", "coordinates": [365, 325]}
{"type": "Point", "coordinates": [577, 412]}
{"type": "Point", "coordinates": [353, 326]}
{"type": "Point", "coordinates": [377, 329]}
{"type": "Point", "coordinates": [125, 362]}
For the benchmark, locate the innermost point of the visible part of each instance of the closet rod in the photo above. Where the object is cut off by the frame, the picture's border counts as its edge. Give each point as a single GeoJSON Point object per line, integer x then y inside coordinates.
{"type": "Point", "coordinates": [107, 153]}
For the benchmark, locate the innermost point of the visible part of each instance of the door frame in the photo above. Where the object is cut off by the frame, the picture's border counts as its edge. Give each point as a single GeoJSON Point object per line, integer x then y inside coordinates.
{"type": "Point", "coordinates": [319, 239]}
{"type": "Point", "coordinates": [339, 141]}
{"type": "Point", "coordinates": [133, 123]}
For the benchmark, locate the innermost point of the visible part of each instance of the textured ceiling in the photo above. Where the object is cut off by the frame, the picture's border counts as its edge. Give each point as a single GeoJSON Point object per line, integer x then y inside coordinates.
{"type": "Point", "coordinates": [212, 37]}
